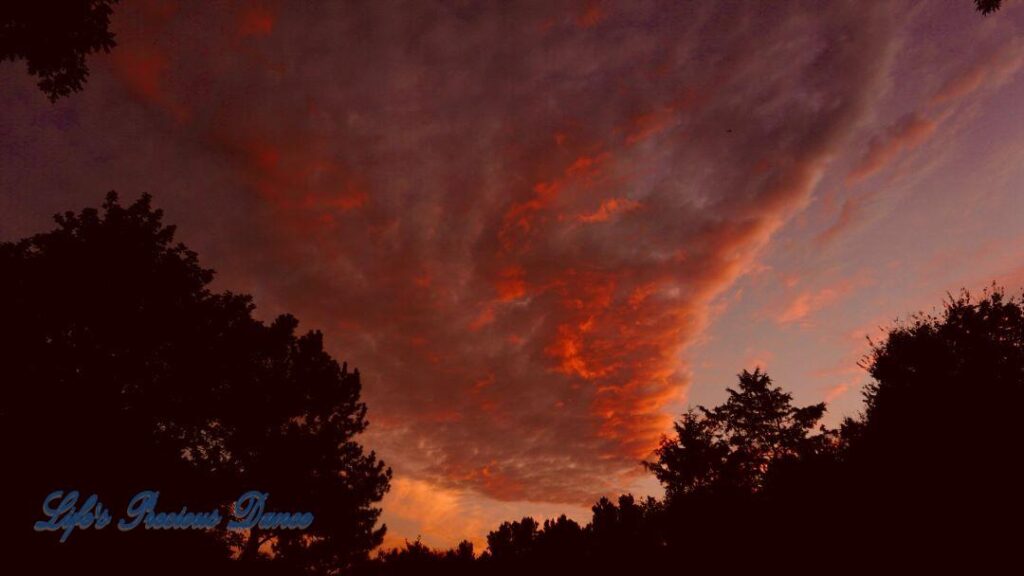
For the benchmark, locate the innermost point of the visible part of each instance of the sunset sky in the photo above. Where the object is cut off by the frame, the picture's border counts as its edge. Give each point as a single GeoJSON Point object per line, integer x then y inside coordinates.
{"type": "Point", "coordinates": [541, 230]}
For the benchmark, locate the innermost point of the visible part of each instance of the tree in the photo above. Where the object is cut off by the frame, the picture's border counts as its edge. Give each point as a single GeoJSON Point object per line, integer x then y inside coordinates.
{"type": "Point", "coordinates": [124, 371]}
{"type": "Point", "coordinates": [513, 539]}
{"type": "Point", "coordinates": [54, 37]}
{"type": "Point", "coordinates": [561, 541]}
{"type": "Point", "coordinates": [694, 460]}
{"type": "Point", "coordinates": [936, 450]}
{"type": "Point", "coordinates": [987, 7]}
{"type": "Point", "coordinates": [928, 369]}
{"type": "Point", "coordinates": [927, 478]}
{"type": "Point", "coordinates": [627, 533]}
{"type": "Point", "coordinates": [733, 446]}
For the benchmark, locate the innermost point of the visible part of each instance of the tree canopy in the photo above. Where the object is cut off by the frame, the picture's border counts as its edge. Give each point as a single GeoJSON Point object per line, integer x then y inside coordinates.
{"type": "Point", "coordinates": [124, 371]}
{"type": "Point", "coordinates": [733, 446]}
{"type": "Point", "coordinates": [987, 6]}
{"type": "Point", "coordinates": [53, 37]}
{"type": "Point", "coordinates": [925, 478]}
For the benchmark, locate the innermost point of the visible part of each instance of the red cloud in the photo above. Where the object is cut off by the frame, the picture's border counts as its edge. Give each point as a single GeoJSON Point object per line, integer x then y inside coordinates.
{"type": "Point", "coordinates": [591, 15]}
{"type": "Point", "coordinates": [255, 21]}
{"type": "Point", "coordinates": [519, 303]}
{"type": "Point", "coordinates": [520, 219]}
{"type": "Point", "coordinates": [609, 208]}
{"type": "Point", "coordinates": [515, 228]}
{"type": "Point", "coordinates": [644, 126]}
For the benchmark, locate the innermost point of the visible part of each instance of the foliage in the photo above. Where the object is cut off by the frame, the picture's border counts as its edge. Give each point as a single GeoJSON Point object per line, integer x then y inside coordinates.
{"type": "Point", "coordinates": [987, 7]}
{"type": "Point", "coordinates": [926, 478]}
{"type": "Point", "coordinates": [54, 37]}
{"type": "Point", "coordinates": [124, 371]}
{"type": "Point", "coordinates": [733, 446]}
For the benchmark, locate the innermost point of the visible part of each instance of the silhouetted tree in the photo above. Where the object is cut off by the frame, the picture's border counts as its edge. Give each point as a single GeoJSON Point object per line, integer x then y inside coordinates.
{"type": "Point", "coordinates": [692, 461]}
{"type": "Point", "coordinates": [123, 371]}
{"type": "Point", "coordinates": [463, 553]}
{"type": "Point", "coordinates": [513, 539]}
{"type": "Point", "coordinates": [987, 7]}
{"type": "Point", "coordinates": [561, 541]}
{"type": "Point", "coordinates": [926, 479]}
{"type": "Point", "coordinates": [54, 37]}
{"type": "Point", "coordinates": [936, 452]}
{"type": "Point", "coordinates": [627, 534]}
{"type": "Point", "coordinates": [418, 558]}
{"type": "Point", "coordinates": [733, 446]}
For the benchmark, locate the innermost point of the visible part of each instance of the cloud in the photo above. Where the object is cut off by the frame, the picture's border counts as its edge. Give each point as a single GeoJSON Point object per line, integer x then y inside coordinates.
{"type": "Point", "coordinates": [993, 68]}
{"type": "Point", "coordinates": [905, 135]}
{"type": "Point", "coordinates": [838, 390]}
{"type": "Point", "coordinates": [850, 214]}
{"type": "Point", "coordinates": [255, 21]}
{"type": "Point", "coordinates": [477, 206]}
{"type": "Point", "coordinates": [445, 516]}
{"type": "Point", "coordinates": [591, 14]}
{"type": "Point", "coordinates": [999, 61]}
{"type": "Point", "coordinates": [758, 359]}
{"type": "Point", "coordinates": [804, 304]}
{"type": "Point", "coordinates": [608, 208]}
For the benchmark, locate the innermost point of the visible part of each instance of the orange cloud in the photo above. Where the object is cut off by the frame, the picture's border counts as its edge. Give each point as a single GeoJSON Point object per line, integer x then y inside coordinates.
{"type": "Point", "coordinates": [807, 302]}
{"type": "Point", "coordinates": [993, 69]}
{"type": "Point", "coordinates": [442, 516]}
{"type": "Point", "coordinates": [485, 317]}
{"type": "Point", "coordinates": [838, 390]}
{"type": "Point", "coordinates": [511, 284]}
{"type": "Point", "coordinates": [646, 125]}
{"type": "Point", "coordinates": [519, 221]}
{"type": "Point", "coordinates": [608, 208]}
{"type": "Point", "coordinates": [850, 213]}
{"type": "Point", "coordinates": [472, 223]}
{"type": "Point", "coordinates": [904, 136]}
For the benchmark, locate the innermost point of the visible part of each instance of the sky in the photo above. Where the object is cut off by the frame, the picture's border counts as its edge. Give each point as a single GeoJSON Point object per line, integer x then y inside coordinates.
{"type": "Point", "coordinates": [542, 230]}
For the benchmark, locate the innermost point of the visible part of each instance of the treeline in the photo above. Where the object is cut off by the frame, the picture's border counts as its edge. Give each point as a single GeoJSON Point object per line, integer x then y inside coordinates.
{"type": "Point", "coordinates": [926, 477]}
{"type": "Point", "coordinates": [123, 370]}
